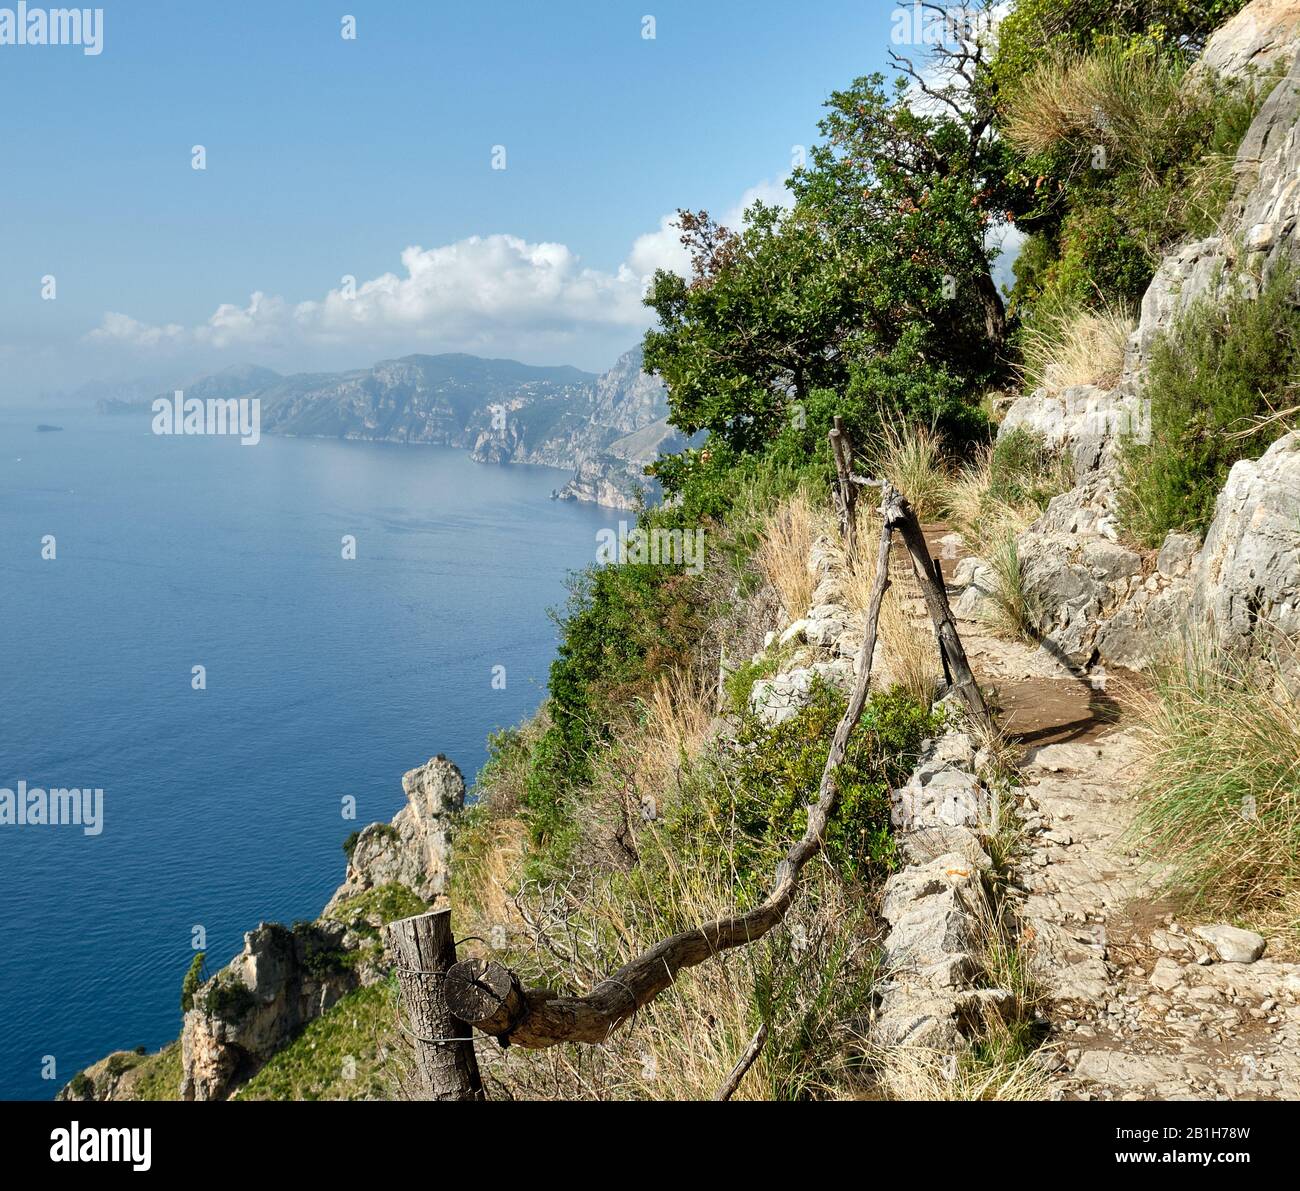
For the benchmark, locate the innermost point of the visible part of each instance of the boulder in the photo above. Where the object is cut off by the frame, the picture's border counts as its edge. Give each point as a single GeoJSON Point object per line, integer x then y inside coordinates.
{"type": "Point", "coordinates": [1233, 945]}
{"type": "Point", "coordinates": [1248, 573]}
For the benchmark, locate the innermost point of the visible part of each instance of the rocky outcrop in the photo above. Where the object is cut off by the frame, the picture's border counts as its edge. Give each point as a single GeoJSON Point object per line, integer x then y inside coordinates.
{"type": "Point", "coordinates": [280, 981]}
{"type": "Point", "coordinates": [628, 431]}
{"type": "Point", "coordinates": [1092, 600]}
{"type": "Point", "coordinates": [1258, 227]}
{"type": "Point", "coordinates": [501, 411]}
{"type": "Point", "coordinates": [285, 977]}
{"type": "Point", "coordinates": [415, 849]}
{"type": "Point", "coordinates": [1246, 583]}
{"type": "Point", "coordinates": [1260, 38]}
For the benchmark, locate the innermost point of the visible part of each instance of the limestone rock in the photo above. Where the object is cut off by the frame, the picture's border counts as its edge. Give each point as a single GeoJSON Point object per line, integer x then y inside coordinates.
{"type": "Point", "coordinates": [1177, 554]}
{"type": "Point", "coordinates": [1248, 573]}
{"type": "Point", "coordinates": [1234, 946]}
{"type": "Point", "coordinates": [1261, 36]}
{"type": "Point", "coordinates": [250, 1009]}
{"type": "Point", "coordinates": [777, 699]}
{"type": "Point", "coordinates": [415, 849]}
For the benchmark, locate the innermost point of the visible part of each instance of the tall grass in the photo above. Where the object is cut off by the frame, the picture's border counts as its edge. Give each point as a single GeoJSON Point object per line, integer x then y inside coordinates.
{"type": "Point", "coordinates": [1004, 488]}
{"type": "Point", "coordinates": [911, 458]}
{"type": "Point", "coordinates": [782, 554]}
{"type": "Point", "coordinates": [1129, 101]}
{"type": "Point", "coordinates": [1013, 611]}
{"type": "Point", "coordinates": [1221, 786]}
{"type": "Point", "coordinates": [1075, 346]}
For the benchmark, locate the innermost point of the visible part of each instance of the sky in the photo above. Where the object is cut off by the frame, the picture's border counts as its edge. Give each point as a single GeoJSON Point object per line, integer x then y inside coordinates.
{"type": "Point", "coordinates": [371, 157]}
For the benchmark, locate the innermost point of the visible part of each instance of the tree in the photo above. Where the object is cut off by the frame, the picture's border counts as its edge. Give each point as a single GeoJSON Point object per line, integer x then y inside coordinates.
{"type": "Point", "coordinates": [764, 319]}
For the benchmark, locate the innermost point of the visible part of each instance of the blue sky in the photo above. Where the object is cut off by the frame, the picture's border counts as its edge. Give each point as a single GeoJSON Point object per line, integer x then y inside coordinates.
{"type": "Point", "coordinates": [328, 157]}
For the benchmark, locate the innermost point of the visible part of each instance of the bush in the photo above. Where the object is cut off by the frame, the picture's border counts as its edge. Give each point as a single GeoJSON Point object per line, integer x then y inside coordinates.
{"type": "Point", "coordinates": [193, 978]}
{"type": "Point", "coordinates": [1127, 154]}
{"type": "Point", "coordinates": [1023, 470]}
{"type": "Point", "coordinates": [777, 774]}
{"type": "Point", "coordinates": [1213, 378]}
{"type": "Point", "coordinates": [229, 999]}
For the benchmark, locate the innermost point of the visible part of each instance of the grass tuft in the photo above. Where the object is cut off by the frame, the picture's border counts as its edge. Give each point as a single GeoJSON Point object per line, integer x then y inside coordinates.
{"type": "Point", "coordinates": [1221, 787]}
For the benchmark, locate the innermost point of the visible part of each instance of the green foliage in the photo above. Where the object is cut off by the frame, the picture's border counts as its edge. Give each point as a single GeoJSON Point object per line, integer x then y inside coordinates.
{"type": "Point", "coordinates": [1124, 153]}
{"type": "Point", "coordinates": [319, 958]}
{"type": "Point", "coordinates": [193, 978]}
{"type": "Point", "coordinates": [1023, 469]}
{"type": "Point", "coordinates": [1212, 378]}
{"type": "Point", "coordinates": [872, 299]}
{"type": "Point", "coordinates": [82, 1086]}
{"type": "Point", "coordinates": [777, 776]}
{"type": "Point", "coordinates": [345, 1054]}
{"type": "Point", "coordinates": [367, 912]}
{"type": "Point", "coordinates": [120, 1063]}
{"type": "Point", "coordinates": [228, 998]}
{"type": "Point", "coordinates": [159, 1076]}
{"type": "Point", "coordinates": [1037, 29]}
{"type": "Point", "coordinates": [739, 684]}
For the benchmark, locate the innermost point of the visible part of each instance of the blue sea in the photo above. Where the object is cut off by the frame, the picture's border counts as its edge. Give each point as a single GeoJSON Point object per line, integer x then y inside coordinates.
{"type": "Point", "coordinates": [325, 677]}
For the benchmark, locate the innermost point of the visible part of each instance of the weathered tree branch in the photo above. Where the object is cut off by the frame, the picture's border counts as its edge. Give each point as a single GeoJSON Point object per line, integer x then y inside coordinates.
{"type": "Point", "coordinates": [487, 995]}
{"type": "Point", "coordinates": [746, 1061]}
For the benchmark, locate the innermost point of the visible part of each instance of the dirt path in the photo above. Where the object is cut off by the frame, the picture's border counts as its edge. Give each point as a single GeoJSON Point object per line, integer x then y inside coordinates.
{"type": "Point", "coordinates": [1140, 1007]}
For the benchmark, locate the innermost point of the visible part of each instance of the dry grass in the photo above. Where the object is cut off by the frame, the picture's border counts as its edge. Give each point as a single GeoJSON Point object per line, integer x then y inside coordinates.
{"type": "Point", "coordinates": [981, 517]}
{"type": "Point", "coordinates": [1221, 785]}
{"type": "Point", "coordinates": [486, 862]}
{"type": "Point", "coordinates": [911, 653]}
{"type": "Point", "coordinates": [1121, 100]}
{"type": "Point", "coordinates": [782, 555]}
{"type": "Point", "coordinates": [920, 1073]}
{"type": "Point", "coordinates": [1076, 347]}
{"type": "Point", "coordinates": [911, 459]}
{"type": "Point", "coordinates": [684, 1044]}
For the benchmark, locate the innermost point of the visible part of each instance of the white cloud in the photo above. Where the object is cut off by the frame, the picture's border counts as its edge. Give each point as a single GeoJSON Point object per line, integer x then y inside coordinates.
{"type": "Point", "coordinates": [496, 292]}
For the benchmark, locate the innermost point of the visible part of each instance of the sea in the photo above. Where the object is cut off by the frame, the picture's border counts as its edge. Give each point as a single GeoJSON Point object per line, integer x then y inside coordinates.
{"type": "Point", "coordinates": [355, 608]}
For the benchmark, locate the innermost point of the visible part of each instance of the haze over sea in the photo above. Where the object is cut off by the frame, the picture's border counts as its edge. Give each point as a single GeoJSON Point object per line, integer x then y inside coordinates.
{"type": "Point", "coordinates": [325, 678]}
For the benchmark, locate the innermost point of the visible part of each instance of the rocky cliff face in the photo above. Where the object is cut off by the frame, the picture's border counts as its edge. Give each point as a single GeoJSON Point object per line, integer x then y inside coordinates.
{"type": "Point", "coordinates": [628, 431]}
{"type": "Point", "coordinates": [1099, 602]}
{"type": "Point", "coordinates": [286, 977]}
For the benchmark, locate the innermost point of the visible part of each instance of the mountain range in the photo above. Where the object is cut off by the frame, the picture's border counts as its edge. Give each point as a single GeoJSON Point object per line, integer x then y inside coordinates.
{"type": "Point", "coordinates": [604, 427]}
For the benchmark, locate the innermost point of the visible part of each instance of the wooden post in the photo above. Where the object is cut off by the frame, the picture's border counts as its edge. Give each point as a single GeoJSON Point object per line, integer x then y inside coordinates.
{"type": "Point", "coordinates": [846, 493]}
{"type": "Point", "coordinates": [936, 600]}
{"type": "Point", "coordinates": [938, 640]}
{"type": "Point", "coordinates": [444, 1045]}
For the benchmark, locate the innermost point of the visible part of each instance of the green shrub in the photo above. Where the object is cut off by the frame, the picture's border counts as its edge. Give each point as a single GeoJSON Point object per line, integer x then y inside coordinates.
{"type": "Point", "coordinates": [1212, 378]}
{"type": "Point", "coordinates": [228, 998]}
{"type": "Point", "coordinates": [382, 904]}
{"type": "Point", "coordinates": [193, 978]}
{"type": "Point", "coordinates": [777, 775]}
{"type": "Point", "coordinates": [1023, 469]}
